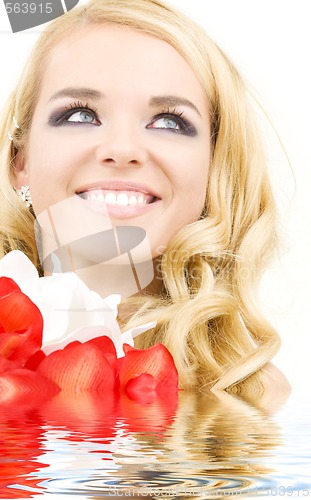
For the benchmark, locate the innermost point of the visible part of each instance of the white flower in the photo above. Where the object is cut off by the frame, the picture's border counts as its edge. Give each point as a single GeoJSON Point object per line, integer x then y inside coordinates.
{"type": "Point", "coordinates": [70, 310]}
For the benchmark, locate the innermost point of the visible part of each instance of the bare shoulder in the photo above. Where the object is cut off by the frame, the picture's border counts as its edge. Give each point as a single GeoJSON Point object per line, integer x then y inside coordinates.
{"type": "Point", "coordinates": [277, 386]}
{"type": "Point", "coordinates": [275, 375]}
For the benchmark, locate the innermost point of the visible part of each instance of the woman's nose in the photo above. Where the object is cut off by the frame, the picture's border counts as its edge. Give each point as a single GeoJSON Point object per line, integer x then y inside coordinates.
{"type": "Point", "coordinates": [121, 148]}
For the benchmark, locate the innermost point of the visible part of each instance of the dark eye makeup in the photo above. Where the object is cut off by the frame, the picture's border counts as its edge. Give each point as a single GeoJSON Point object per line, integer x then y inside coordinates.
{"type": "Point", "coordinates": [63, 117]}
{"type": "Point", "coordinates": [172, 121]}
{"type": "Point", "coordinates": [169, 120]}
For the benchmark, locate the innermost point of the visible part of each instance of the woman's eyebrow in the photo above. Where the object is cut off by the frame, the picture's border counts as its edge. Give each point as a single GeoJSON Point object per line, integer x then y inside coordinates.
{"type": "Point", "coordinates": [171, 100]}
{"type": "Point", "coordinates": [77, 93]}
{"type": "Point", "coordinates": [96, 95]}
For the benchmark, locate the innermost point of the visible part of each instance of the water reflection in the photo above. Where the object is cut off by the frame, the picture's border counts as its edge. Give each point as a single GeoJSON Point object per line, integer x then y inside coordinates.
{"type": "Point", "coordinates": [199, 445]}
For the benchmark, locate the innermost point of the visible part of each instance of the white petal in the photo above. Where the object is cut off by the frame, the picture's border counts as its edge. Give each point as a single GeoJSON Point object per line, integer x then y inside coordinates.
{"type": "Point", "coordinates": [17, 266]}
{"type": "Point", "coordinates": [137, 330]}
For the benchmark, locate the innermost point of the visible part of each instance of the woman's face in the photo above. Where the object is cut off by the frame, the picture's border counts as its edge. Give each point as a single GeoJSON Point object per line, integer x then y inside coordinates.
{"type": "Point", "coordinates": [121, 120]}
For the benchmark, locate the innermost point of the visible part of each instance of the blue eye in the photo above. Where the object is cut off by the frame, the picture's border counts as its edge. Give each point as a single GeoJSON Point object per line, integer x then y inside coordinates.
{"type": "Point", "coordinates": [173, 122]}
{"type": "Point", "coordinates": [77, 114]}
{"type": "Point", "coordinates": [83, 116]}
{"type": "Point", "coordinates": [166, 122]}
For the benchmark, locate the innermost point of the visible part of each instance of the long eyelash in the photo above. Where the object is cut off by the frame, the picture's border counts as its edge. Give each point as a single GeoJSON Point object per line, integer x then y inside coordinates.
{"type": "Point", "coordinates": [59, 117]}
{"type": "Point", "coordinates": [173, 111]}
{"type": "Point", "coordinates": [187, 126]}
{"type": "Point", "coordinates": [79, 105]}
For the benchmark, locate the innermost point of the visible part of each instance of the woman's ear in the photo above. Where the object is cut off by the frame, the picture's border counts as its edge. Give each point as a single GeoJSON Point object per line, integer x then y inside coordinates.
{"type": "Point", "coordinates": [20, 171]}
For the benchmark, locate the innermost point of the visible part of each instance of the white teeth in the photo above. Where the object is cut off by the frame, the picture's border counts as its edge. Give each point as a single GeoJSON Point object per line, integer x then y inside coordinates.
{"type": "Point", "coordinates": [116, 198]}
{"type": "Point", "coordinates": [122, 199]}
{"type": "Point", "coordinates": [110, 198]}
{"type": "Point", "coordinates": [132, 200]}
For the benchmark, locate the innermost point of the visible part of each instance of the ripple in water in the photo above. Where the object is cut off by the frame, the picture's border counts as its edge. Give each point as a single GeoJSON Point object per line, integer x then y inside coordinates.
{"type": "Point", "coordinates": [206, 447]}
{"type": "Point", "coordinates": [168, 487]}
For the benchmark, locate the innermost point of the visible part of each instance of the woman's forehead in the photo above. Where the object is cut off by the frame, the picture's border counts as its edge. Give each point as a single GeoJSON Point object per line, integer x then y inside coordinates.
{"type": "Point", "coordinates": [111, 54]}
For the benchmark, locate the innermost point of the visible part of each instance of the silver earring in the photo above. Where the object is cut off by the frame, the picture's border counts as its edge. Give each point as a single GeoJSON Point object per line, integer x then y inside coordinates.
{"type": "Point", "coordinates": [24, 193]}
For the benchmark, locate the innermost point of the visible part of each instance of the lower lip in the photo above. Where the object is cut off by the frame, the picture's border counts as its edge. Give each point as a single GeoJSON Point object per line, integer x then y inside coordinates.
{"type": "Point", "coordinates": [119, 211]}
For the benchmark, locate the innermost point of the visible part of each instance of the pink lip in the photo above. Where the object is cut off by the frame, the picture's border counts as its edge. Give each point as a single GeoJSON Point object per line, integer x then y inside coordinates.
{"type": "Point", "coordinates": [118, 186]}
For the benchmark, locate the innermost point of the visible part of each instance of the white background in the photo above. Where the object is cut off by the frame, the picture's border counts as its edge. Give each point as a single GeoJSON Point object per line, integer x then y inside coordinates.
{"type": "Point", "coordinates": [270, 42]}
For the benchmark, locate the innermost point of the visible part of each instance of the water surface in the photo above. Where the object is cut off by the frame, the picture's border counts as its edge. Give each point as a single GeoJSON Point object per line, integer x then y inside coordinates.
{"type": "Point", "coordinates": [191, 447]}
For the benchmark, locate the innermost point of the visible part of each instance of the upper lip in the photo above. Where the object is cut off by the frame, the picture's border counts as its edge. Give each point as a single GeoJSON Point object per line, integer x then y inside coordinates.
{"type": "Point", "coordinates": [115, 185]}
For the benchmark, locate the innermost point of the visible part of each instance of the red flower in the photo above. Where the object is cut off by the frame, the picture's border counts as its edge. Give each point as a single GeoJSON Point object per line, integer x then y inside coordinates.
{"type": "Point", "coordinates": [21, 323]}
{"type": "Point", "coordinates": [144, 374]}
{"type": "Point", "coordinates": [92, 366]}
{"type": "Point", "coordinates": [80, 367]}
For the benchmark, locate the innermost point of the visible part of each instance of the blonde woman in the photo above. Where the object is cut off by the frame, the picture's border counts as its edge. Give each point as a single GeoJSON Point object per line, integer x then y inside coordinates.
{"type": "Point", "coordinates": [133, 98]}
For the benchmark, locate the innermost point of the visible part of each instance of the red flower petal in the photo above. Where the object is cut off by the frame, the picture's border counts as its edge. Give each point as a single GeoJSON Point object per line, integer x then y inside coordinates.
{"type": "Point", "coordinates": [19, 313]}
{"type": "Point", "coordinates": [127, 348]}
{"type": "Point", "coordinates": [142, 388]}
{"type": "Point", "coordinates": [20, 384]}
{"type": "Point", "coordinates": [7, 286]}
{"type": "Point", "coordinates": [35, 360]}
{"type": "Point", "coordinates": [155, 361]}
{"type": "Point", "coordinates": [9, 343]}
{"type": "Point", "coordinates": [7, 365]}
{"type": "Point", "coordinates": [79, 368]}
{"type": "Point", "coordinates": [105, 344]}
{"type": "Point", "coordinates": [22, 322]}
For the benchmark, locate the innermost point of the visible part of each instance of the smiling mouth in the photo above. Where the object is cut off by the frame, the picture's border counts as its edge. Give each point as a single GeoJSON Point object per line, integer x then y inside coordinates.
{"type": "Point", "coordinates": [118, 198]}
